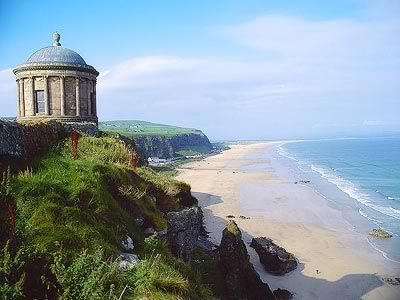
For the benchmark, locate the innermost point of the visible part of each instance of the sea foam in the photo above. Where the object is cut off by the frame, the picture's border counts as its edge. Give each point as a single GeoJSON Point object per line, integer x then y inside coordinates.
{"type": "Point", "coordinates": [350, 189]}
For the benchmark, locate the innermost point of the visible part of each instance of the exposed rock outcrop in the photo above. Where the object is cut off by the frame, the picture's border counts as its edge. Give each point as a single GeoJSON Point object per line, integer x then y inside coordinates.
{"type": "Point", "coordinates": [149, 231]}
{"type": "Point", "coordinates": [127, 244]}
{"type": "Point", "coordinates": [282, 294]}
{"type": "Point", "coordinates": [380, 233]}
{"type": "Point", "coordinates": [276, 260]}
{"type": "Point", "coordinates": [127, 261]}
{"type": "Point", "coordinates": [392, 280]}
{"type": "Point", "coordinates": [168, 146]}
{"type": "Point", "coordinates": [183, 231]}
{"type": "Point", "coordinates": [241, 280]}
{"type": "Point", "coordinates": [206, 245]}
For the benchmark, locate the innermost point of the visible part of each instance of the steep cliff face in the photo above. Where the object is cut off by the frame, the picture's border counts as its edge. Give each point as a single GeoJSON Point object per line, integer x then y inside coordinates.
{"type": "Point", "coordinates": [159, 140]}
{"type": "Point", "coordinates": [183, 231]}
{"type": "Point", "coordinates": [173, 146]}
{"type": "Point", "coordinates": [242, 282]}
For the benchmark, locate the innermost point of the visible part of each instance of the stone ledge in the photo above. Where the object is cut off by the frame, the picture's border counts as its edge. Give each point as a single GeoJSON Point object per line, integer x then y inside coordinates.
{"type": "Point", "coordinates": [62, 119]}
{"type": "Point", "coordinates": [55, 66]}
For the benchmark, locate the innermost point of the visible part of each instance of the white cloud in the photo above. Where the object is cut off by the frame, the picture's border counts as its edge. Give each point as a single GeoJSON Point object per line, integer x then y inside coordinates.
{"type": "Point", "coordinates": [371, 123]}
{"type": "Point", "coordinates": [329, 42]}
{"type": "Point", "coordinates": [7, 93]}
{"type": "Point", "coordinates": [337, 73]}
{"type": "Point", "coordinates": [316, 77]}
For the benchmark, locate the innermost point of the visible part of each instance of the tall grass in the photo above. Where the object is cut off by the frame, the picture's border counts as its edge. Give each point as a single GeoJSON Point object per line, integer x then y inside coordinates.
{"type": "Point", "coordinates": [105, 150]}
{"type": "Point", "coordinates": [155, 279]}
{"type": "Point", "coordinates": [88, 277]}
{"type": "Point", "coordinates": [75, 207]}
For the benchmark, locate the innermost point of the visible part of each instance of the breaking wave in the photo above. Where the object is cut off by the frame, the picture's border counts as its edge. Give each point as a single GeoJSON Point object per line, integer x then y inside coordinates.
{"type": "Point", "coordinates": [350, 189]}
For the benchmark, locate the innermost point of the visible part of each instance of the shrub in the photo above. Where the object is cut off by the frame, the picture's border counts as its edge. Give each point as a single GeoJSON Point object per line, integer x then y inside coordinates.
{"type": "Point", "coordinates": [7, 203]}
{"type": "Point", "coordinates": [88, 277]}
{"type": "Point", "coordinates": [11, 276]}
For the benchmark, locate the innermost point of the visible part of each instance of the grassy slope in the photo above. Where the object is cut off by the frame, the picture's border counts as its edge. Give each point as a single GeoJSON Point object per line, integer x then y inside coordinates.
{"type": "Point", "coordinates": [67, 206]}
{"type": "Point", "coordinates": [134, 128]}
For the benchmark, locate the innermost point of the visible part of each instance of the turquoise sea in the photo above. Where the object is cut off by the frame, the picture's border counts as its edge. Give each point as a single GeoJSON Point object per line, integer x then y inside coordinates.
{"type": "Point", "coordinates": [361, 175]}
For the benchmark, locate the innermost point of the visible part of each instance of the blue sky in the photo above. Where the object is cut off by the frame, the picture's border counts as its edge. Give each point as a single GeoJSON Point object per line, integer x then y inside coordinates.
{"type": "Point", "coordinates": [236, 69]}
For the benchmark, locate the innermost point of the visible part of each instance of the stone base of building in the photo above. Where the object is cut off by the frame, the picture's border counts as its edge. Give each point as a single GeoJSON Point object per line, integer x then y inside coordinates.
{"type": "Point", "coordinates": [62, 119]}
{"type": "Point", "coordinates": [85, 125]}
{"type": "Point", "coordinates": [87, 128]}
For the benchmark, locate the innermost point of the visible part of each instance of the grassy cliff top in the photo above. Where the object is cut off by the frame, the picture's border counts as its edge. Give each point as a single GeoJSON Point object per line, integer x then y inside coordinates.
{"type": "Point", "coordinates": [71, 216]}
{"type": "Point", "coordinates": [132, 128]}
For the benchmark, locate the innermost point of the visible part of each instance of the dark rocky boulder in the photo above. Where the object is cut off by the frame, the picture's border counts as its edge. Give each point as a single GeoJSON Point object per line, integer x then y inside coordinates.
{"type": "Point", "coordinates": [282, 294]}
{"type": "Point", "coordinates": [276, 260]}
{"type": "Point", "coordinates": [242, 282]}
{"type": "Point", "coordinates": [183, 231]}
{"type": "Point", "coordinates": [380, 233]}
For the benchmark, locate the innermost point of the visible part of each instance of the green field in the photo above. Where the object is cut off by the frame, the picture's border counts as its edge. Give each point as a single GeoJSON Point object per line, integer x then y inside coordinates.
{"type": "Point", "coordinates": [134, 128]}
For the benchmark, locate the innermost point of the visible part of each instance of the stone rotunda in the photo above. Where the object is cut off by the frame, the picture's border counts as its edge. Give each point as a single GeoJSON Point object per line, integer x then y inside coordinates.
{"type": "Point", "coordinates": [55, 83]}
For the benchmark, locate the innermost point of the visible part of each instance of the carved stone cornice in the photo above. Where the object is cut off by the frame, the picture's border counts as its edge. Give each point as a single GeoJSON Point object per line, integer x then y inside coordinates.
{"type": "Point", "coordinates": [55, 66]}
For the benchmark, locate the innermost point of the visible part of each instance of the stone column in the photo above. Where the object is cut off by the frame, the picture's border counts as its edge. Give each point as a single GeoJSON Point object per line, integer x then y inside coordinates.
{"type": "Point", "coordinates": [77, 99]}
{"type": "Point", "coordinates": [22, 96]}
{"type": "Point", "coordinates": [33, 96]}
{"type": "Point", "coordinates": [62, 96]}
{"type": "Point", "coordinates": [46, 96]}
{"type": "Point", "coordinates": [89, 100]}
{"type": "Point", "coordinates": [19, 99]}
{"type": "Point", "coordinates": [94, 97]}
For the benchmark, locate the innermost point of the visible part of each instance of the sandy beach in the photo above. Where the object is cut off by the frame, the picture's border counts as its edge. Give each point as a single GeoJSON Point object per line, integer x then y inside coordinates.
{"type": "Point", "coordinates": [297, 218]}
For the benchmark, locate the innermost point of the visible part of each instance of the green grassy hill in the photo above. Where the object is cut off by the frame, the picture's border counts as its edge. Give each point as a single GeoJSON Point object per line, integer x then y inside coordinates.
{"type": "Point", "coordinates": [133, 128]}
{"type": "Point", "coordinates": [70, 217]}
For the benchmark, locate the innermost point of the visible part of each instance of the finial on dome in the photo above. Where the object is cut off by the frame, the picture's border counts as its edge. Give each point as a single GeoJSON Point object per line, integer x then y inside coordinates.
{"type": "Point", "coordinates": [56, 38]}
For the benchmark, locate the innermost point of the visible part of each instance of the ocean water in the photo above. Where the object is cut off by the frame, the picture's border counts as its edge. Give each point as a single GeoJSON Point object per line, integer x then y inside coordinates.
{"type": "Point", "coordinates": [361, 175]}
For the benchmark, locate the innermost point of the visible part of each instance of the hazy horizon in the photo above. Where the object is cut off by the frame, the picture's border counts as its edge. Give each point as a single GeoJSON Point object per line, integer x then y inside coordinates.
{"type": "Point", "coordinates": [248, 70]}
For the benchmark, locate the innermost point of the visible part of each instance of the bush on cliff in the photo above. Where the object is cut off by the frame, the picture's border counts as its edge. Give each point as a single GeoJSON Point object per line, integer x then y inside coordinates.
{"type": "Point", "coordinates": [75, 207]}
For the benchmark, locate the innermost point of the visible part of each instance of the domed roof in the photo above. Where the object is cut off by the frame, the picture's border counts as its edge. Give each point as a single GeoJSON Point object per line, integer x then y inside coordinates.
{"type": "Point", "coordinates": [56, 57]}
{"type": "Point", "coordinates": [56, 54]}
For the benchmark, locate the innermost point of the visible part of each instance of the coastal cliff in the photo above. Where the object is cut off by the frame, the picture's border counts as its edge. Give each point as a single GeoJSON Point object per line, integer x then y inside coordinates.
{"type": "Point", "coordinates": [186, 144]}
{"type": "Point", "coordinates": [97, 226]}
{"type": "Point", "coordinates": [87, 227]}
{"type": "Point", "coordinates": [158, 140]}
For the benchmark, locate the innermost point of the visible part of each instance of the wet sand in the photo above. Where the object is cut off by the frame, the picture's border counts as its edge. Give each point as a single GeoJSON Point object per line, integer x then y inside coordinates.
{"type": "Point", "coordinates": [297, 218]}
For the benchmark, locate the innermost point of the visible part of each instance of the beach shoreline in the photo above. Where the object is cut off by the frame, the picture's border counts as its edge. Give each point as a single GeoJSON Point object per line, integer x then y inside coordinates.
{"type": "Point", "coordinates": [296, 217]}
